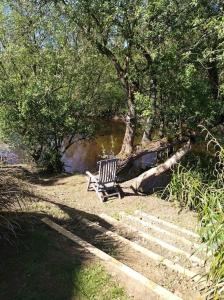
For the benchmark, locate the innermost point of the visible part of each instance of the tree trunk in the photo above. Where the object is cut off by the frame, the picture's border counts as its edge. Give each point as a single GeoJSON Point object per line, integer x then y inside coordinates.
{"type": "Point", "coordinates": [136, 183]}
{"type": "Point", "coordinates": [36, 154]}
{"type": "Point", "coordinates": [147, 135]}
{"type": "Point", "coordinates": [130, 88]}
{"type": "Point", "coordinates": [161, 129]}
{"type": "Point", "coordinates": [213, 77]}
{"type": "Point", "coordinates": [128, 141]}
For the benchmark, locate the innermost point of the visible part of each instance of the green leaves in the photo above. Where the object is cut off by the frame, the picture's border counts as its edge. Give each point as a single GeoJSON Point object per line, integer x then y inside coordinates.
{"type": "Point", "coordinates": [62, 62]}
{"type": "Point", "coordinates": [51, 79]}
{"type": "Point", "coordinates": [143, 105]}
{"type": "Point", "coordinates": [193, 188]}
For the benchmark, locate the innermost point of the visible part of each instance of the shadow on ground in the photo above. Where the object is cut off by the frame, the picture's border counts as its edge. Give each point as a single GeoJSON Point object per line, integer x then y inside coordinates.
{"type": "Point", "coordinates": [39, 263]}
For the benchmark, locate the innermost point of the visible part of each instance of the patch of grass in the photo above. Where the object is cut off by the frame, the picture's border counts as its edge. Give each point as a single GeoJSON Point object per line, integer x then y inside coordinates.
{"type": "Point", "coordinates": [116, 216]}
{"type": "Point", "coordinates": [49, 208]}
{"type": "Point", "coordinates": [46, 266]}
{"type": "Point", "coordinates": [184, 187]}
{"type": "Point", "coordinates": [113, 252]}
{"type": "Point", "coordinates": [91, 280]}
{"type": "Point", "coordinates": [129, 211]}
{"type": "Point", "coordinates": [141, 206]}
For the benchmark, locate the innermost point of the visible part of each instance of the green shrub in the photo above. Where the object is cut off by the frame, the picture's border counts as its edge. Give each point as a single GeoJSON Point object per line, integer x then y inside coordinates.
{"type": "Point", "coordinates": [194, 189]}
{"type": "Point", "coordinates": [184, 187]}
{"type": "Point", "coordinates": [10, 202]}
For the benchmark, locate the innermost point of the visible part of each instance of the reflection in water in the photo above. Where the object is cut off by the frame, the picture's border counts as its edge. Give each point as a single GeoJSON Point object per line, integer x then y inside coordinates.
{"type": "Point", "coordinates": [83, 155]}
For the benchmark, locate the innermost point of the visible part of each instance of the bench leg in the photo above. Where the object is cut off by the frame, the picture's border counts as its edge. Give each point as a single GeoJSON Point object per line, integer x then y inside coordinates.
{"type": "Point", "coordinates": [100, 196]}
{"type": "Point", "coordinates": [119, 195]}
{"type": "Point", "coordinates": [118, 192]}
{"type": "Point", "coordinates": [90, 183]}
{"type": "Point", "coordinates": [99, 193]}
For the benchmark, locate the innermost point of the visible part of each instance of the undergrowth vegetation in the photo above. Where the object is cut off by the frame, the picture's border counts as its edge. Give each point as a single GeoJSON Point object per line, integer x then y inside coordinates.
{"type": "Point", "coordinates": [11, 199]}
{"type": "Point", "coordinates": [203, 190]}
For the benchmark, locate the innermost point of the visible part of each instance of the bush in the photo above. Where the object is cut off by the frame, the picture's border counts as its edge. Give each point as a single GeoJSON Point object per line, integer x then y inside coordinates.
{"type": "Point", "coordinates": [192, 188]}
{"type": "Point", "coordinates": [51, 161]}
{"type": "Point", "coordinates": [11, 200]}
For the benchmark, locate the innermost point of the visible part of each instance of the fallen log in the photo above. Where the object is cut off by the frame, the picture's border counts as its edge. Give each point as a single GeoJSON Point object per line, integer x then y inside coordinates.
{"type": "Point", "coordinates": [139, 181]}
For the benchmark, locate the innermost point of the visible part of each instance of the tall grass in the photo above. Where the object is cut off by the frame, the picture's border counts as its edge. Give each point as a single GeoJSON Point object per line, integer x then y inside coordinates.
{"type": "Point", "coordinates": [184, 187]}
{"type": "Point", "coordinates": [11, 200]}
{"type": "Point", "coordinates": [193, 188]}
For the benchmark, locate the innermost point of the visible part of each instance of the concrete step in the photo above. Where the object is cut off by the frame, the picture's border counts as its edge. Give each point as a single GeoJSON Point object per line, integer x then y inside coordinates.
{"type": "Point", "coordinates": [170, 280]}
{"type": "Point", "coordinates": [176, 228]}
{"type": "Point", "coordinates": [157, 227]}
{"type": "Point", "coordinates": [151, 289]}
{"type": "Point", "coordinates": [155, 242]}
{"type": "Point", "coordinates": [151, 243]}
{"type": "Point", "coordinates": [180, 233]}
{"type": "Point", "coordinates": [171, 241]}
{"type": "Point", "coordinates": [150, 254]}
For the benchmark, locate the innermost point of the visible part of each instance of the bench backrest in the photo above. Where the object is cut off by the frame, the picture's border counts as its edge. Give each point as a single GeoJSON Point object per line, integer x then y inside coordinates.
{"type": "Point", "coordinates": [107, 170]}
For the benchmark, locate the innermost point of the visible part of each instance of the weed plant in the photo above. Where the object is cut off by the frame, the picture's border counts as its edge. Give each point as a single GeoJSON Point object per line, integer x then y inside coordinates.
{"type": "Point", "coordinates": [202, 189]}
{"type": "Point", "coordinates": [10, 201]}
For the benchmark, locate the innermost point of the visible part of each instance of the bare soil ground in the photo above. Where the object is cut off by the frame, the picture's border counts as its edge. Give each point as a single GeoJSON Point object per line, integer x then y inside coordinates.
{"type": "Point", "coordinates": [63, 197]}
{"type": "Point", "coordinates": [71, 191]}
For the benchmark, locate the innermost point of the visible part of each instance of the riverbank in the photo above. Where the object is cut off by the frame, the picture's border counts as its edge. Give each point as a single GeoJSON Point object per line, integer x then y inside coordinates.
{"type": "Point", "coordinates": [62, 198]}
{"type": "Point", "coordinates": [51, 195]}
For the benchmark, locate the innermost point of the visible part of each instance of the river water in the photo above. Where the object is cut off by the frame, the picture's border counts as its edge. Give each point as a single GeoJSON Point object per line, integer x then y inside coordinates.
{"type": "Point", "coordinates": [84, 154]}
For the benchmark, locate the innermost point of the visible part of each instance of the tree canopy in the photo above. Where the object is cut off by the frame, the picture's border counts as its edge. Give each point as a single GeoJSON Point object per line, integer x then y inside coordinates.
{"type": "Point", "coordinates": [64, 62]}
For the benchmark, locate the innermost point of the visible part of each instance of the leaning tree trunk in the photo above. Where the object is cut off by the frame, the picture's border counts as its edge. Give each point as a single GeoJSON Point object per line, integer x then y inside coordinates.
{"type": "Point", "coordinates": [136, 183]}
{"type": "Point", "coordinates": [130, 121]}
